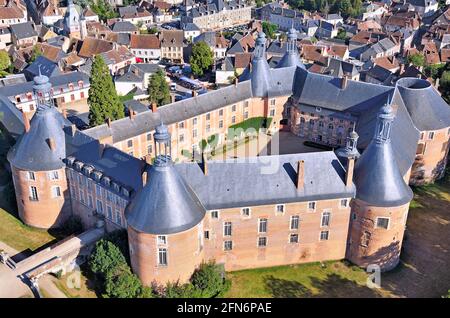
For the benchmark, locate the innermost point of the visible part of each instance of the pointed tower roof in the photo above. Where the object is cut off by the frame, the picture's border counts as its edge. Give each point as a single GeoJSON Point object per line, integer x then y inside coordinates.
{"type": "Point", "coordinates": [350, 150]}
{"type": "Point", "coordinates": [259, 73]}
{"type": "Point", "coordinates": [166, 204]}
{"type": "Point", "coordinates": [377, 177]}
{"type": "Point", "coordinates": [33, 150]}
{"type": "Point", "coordinates": [291, 57]}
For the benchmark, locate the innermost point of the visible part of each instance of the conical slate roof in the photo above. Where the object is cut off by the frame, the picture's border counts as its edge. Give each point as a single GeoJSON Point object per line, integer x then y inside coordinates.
{"type": "Point", "coordinates": [426, 107]}
{"type": "Point", "coordinates": [377, 177]}
{"type": "Point", "coordinates": [260, 71]}
{"type": "Point", "coordinates": [291, 57]}
{"type": "Point", "coordinates": [32, 150]}
{"type": "Point", "coordinates": [166, 204]}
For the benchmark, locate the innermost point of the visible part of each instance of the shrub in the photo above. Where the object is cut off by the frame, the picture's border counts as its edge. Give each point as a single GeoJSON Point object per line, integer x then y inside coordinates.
{"type": "Point", "coordinates": [177, 290]}
{"type": "Point", "coordinates": [105, 258]}
{"type": "Point", "coordinates": [122, 283]}
{"type": "Point", "coordinates": [210, 280]}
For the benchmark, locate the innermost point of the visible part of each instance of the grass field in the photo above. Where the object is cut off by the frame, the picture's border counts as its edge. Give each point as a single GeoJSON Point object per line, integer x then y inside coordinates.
{"type": "Point", "coordinates": [84, 291]}
{"type": "Point", "coordinates": [19, 236]}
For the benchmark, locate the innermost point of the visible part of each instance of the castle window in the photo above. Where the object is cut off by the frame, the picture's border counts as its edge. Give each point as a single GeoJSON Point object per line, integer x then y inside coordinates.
{"type": "Point", "coordinates": [233, 119]}
{"type": "Point", "coordinates": [262, 241]}
{"type": "Point", "coordinates": [245, 115]}
{"type": "Point", "coordinates": [206, 234]}
{"type": "Point", "coordinates": [326, 216]}
{"type": "Point", "coordinates": [31, 176]}
{"type": "Point", "coordinates": [365, 239]}
{"type": "Point", "coordinates": [194, 133]}
{"type": "Point", "coordinates": [162, 256]}
{"type": "Point", "coordinates": [220, 123]}
{"type": "Point", "coordinates": [431, 135]}
{"type": "Point", "coordinates": [99, 206]}
{"type": "Point", "coordinates": [162, 239]}
{"type": "Point", "coordinates": [221, 112]}
{"type": "Point", "coordinates": [324, 235]}
{"type": "Point", "coordinates": [81, 196]}
{"type": "Point", "coordinates": [245, 212]}
{"type": "Point", "coordinates": [293, 238]}
{"type": "Point", "coordinates": [227, 245]}
{"type": "Point", "coordinates": [181, 138]}
{"type": "Point", "coordinates": [246, 103]}
{"type": "Point", "coordinates": [181, 125]}
{"type": "Point", "coordinates": [149, 137]}
{"type": "Point", "coordinates": [312, 206]}
{"type": "Point", "coordinates": [227, 229]}
{"type": "Point", "coordinates": [33, 194]}
{"type": "Point", "coordinates": [343, 203]}
{"type": "Point", "coordinates": [90, 201]}
{"type": "Point", "coordinates": [118, 218]}
{"type": "Point", "coordinates": [279, 208]}
{"type": "Point", "coordinates": [382, 223]}
{"type": "Point", "coordinates": [214, 214]}
{"type": "Point", "coordinates": [194, 121]}
{"type": "Point", "coordinates": [109, 211]}
{"type": "Point", "coordinates": [130, 143]}
{"type": "Point", "coordinates": [149, 149]}
{"type": "Point", "coordinates": [295, 221]}
{"type": "Point", "coordinates": [262, 226]}
{"type": "Point", "coordinates": [272, 102]}
{"type": "Point", "coordinates": [56, 192]}
{"type": "Point", "coordinates": [272, 112]}
{"type": "Point", "coordinates": [98, 190]}
{"type": "Point", "coordinates": [233, 108]}
{"type": "Point", "coordinates": [53, 175]}
{"type": "Point", "coordinates": [208, 116]}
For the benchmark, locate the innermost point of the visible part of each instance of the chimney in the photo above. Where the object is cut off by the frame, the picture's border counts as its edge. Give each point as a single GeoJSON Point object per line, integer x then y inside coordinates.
{"type": "Point", "coordinates": [204, 164]}
{"type": "Point", "coordinates": [349, 173]}
{"type": "Point", "coordinates": [154, 107]}
{"type": "Point", "coordinates": [26, 122]}
{"type": "Point", "coordinates": [300, 182]}
{"type": "Point", "coordinates": [108, 122]}
{"type": "Point", "coordinates": [236, 81]}
{"type": "Point", "coordinates": [344, 81]}
{"type": "Point", "coordinates": [132, 114]}
{"type": "Point", "coordinates": [51, 144]}
{"type": "Point", "coordinates": [194, 93]}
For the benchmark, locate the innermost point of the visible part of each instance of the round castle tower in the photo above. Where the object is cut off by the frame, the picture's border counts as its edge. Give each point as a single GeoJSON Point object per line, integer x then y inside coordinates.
{"type": "Point", "coordinates": [165, 220]}
{"type": "Point", "coordinates": [380, 208]}
{"type": "Point", "coordinates": [37, 165]}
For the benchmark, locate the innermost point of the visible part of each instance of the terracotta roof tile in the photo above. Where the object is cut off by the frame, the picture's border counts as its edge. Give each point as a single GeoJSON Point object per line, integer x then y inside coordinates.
{"type": "Point", "coordinates": [144, 41]}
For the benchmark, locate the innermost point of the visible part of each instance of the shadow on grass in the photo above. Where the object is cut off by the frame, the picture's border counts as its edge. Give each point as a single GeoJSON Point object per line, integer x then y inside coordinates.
{"type": "Point", "coordinates": [332, 286]}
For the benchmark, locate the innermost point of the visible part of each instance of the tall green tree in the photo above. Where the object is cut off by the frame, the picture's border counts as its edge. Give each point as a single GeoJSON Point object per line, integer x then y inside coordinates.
{"type": "Point", "coordinates": [105, 258]}
{"type": "Point", "coordinates": [202, 58]}
{"type": "Point", "coordinates": [158, 89]}
{"type": "Point", "coordinates": [269, 29]}
{"type": "Point", "coordinates": [103, 100]}
{"type": "Point", "coordinates": [122, 283]}
{"type": "Point", "coordinates": [417, 59]}
{"type": "Point", "coordinates": [5, 62]}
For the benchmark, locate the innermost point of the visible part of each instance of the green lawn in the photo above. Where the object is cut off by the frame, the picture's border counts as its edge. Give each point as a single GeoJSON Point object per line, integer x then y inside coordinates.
{"type": "Point", "coordinates": [20, 236]}
{"type": "Point", "coordinates": [330, 279]}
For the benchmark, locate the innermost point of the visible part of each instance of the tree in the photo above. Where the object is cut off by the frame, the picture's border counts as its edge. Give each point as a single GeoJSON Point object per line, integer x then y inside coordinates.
{"type": "Point", "coordinates": [342, 34]}
{"type": "Point", "coordinates": [121, 283]}
{"type": "Point", "coordinates": [35, 53]}
{"type": "Point", "coordinates": [269, 29]}
{"type": "Point", "coordinates": [105, 258]}
{"type": "Point", "coordinates": [444, 85]}
{"type": "Point", "coordinates": [202, 58]}
{"type": "Point", "coordinates": [103, 9]}
{"type": "Point", "coordinates": [103, 100]}
{"type": "Point", "coordinates": [153, 30]}
{"type": "Point", "coordinates": [5, 62]}
{"type": "Point", "coordinates": [158, 89]}
{"type": "Point", "coordinates": [209, 278]}
{"type": "Point", "coordinates": [416, 59]}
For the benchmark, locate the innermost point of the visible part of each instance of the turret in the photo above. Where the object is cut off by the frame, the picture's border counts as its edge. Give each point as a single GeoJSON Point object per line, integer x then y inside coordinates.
{"type": "Point", "coordinates": [165, 221]}
{"type": "Point", "coordinates": [382, 200]}
{"type": "Point", "coordinates": [291, 57]}
{"type": "Point", "coordinates": [259, 71]}
{"type": "Point", "coordinates": [350, 150]}
{"type": "Point", "coordinates": [37, 163]}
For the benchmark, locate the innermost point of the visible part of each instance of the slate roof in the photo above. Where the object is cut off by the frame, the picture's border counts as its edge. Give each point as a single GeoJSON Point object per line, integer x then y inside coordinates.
{"type": "Point", "coordinates": [124, 26]}
{"type": "Point", "coordinates": [32, 150]}
{"type": "Point", "coordinates": [23, 30]}
{"type": "Point", "coordinates": [229, 180]}
{"type": "Point", "coordinates": [44, 65]}
{"type": "Point", "coordinates": [165, 205]}
{"type": "Point", "coordinates": [377, 176]}
{"type": "Point", "coordinates": [426, 107]}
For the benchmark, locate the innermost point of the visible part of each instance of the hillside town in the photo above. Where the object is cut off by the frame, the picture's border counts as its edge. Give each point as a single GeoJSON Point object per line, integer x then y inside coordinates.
{"type": "Point", "coordinates": [128, 116]}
